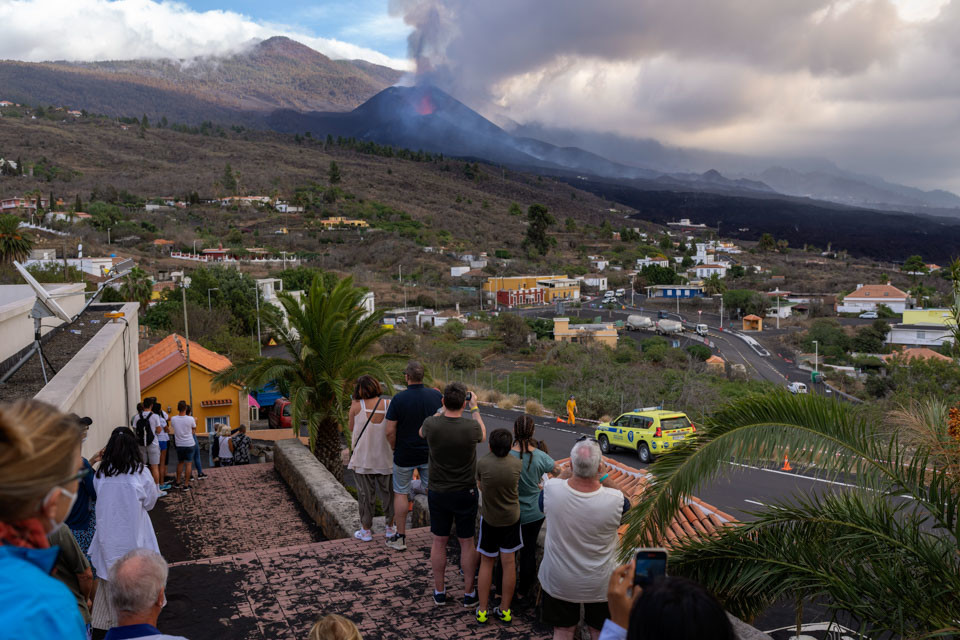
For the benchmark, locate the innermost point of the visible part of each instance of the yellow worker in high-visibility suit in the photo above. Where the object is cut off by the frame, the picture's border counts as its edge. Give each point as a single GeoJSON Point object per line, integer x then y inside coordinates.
{"type": "Point", "coordinates": [571, 410]}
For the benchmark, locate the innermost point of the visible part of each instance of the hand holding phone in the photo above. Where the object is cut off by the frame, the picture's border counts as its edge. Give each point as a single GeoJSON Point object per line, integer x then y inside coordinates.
{"type": "Point", "coordinates": [651, 563]}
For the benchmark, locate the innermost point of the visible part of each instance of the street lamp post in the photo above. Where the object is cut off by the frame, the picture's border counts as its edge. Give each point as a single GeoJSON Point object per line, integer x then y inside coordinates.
{"type": "Point", "coordinates": [209, 303]}
{"type": "Point", "coordinates": [256, 295]}
{"type": "Point", "coordinates": [816, 356]}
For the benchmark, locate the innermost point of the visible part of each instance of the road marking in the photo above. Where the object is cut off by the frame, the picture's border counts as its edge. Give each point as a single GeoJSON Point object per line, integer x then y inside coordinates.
{"type": "Point", "coordinates": [755, 502]}
{"type": "Point", "coordinates": [797, 475]}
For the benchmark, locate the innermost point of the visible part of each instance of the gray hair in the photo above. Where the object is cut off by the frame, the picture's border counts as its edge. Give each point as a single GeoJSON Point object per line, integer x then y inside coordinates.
{"type": "Point", "coordinates": [136, 580]}
{"type": "Point", "coordinates": [585, 459]}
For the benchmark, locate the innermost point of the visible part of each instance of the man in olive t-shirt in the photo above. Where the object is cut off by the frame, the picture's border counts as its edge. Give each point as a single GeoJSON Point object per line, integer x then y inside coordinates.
{"type": "Point", "coordinates": [499, 476]}
{"type": "Point", "coordinates": [452, 493]}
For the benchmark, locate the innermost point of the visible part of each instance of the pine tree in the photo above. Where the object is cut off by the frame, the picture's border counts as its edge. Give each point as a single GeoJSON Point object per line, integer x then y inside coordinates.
{"type": "Point", "coordinates": [334, 173]}
{"type": "Point", "coordinates": [229, 181]}
{"type": "Point", "coordinates": [144, 123]}
{"type": "Point", "coordinates": [78, 205]}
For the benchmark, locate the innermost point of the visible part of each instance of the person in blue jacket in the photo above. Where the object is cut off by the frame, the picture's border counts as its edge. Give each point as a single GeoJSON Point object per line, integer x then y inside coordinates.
{"type": "Point", "coordinates": [40, 468]}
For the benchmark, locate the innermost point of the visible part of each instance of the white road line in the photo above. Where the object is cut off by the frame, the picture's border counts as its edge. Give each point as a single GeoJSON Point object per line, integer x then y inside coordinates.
{"type": "Point", "coordinates": [762, 504]}
{"type": "Point", "coordinates": [795, 475]}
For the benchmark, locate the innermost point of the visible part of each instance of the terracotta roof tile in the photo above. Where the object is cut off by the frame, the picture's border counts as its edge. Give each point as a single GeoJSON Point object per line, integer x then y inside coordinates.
{"type": "Point", "coordinates": [915, 353]}
{"type": "Point", "coordinates": [874, 291]}
{"type": "Point", "coordinates": [165, 357]}
{"type": "Point", "coordinates": [695, 519]}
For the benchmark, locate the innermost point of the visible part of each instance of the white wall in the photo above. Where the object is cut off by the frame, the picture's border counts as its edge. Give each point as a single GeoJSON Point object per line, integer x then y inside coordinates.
{"type": "Point", "coordinates": [932, 336]}
{"type": "Point", "coordinates": [102, 380]}
{"type": "Point", "coordinates": [16, 302]}
{"type": "Point", "coordinates": [858, 306]}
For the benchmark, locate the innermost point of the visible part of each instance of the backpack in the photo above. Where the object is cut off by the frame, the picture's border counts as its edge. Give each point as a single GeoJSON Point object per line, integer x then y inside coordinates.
{"type": "Point", "coordinates": [145, 434]}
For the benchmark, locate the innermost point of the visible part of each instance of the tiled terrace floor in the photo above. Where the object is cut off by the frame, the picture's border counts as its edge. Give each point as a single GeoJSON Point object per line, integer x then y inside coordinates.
{"type": "Point", "coordinates": [267, 577]}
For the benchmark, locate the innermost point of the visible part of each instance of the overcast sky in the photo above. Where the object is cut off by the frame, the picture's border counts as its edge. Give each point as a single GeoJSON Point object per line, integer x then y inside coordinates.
{"type": "Point", "coordinates": [872, 84]}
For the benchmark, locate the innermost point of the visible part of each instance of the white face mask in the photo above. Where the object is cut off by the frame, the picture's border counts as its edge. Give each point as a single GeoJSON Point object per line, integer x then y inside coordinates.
{"type": "Point", "coordinates": [54, 525]}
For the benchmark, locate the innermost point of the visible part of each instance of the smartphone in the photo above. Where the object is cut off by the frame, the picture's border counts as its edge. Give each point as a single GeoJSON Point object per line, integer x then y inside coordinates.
{"type": "Point", "coordinates": [469, 397]}
{"type": "Point", "coordinates": [651, 564]}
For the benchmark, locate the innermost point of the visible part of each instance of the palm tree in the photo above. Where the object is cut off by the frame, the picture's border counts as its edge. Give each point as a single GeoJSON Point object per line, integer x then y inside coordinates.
{"type": "Point", "coordinates": [137, 286]}
{"type": "Point", "coordinates": [714, 284]}
{"type": "Point", "coordinates": [14, 243]}
{"type": "Point", "coordinates": [328, 344]}
{"type": "Point", "coordinates": [884, 548]}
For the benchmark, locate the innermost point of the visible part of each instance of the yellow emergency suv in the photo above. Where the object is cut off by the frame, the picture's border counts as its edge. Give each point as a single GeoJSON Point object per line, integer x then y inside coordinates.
{"type": "Point", "coordinates": [648, 431]}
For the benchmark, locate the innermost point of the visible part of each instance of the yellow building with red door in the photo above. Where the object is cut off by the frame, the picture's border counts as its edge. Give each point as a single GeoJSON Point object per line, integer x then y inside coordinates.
{"type": "Point", "coordinates": [163, 375]}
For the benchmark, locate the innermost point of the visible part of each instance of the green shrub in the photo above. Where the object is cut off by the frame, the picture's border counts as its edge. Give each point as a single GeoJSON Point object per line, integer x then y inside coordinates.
{"type": "Point", "coordinates": [464, 360]}
{"type": "Point", "coordinates": [699, 351]}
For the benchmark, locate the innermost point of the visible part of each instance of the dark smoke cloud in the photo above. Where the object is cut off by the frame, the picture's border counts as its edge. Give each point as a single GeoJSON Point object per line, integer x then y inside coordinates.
{"type": "Point", "coordinates": [853, 80]}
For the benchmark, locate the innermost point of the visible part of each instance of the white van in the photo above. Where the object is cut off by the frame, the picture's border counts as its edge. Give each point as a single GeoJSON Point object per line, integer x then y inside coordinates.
{"type": "Point", "coordinates": [796, 387]}
{"type": "Point", "coordinates": [621, 293]}
{"type": "Point", "coordinates": [702, 329]}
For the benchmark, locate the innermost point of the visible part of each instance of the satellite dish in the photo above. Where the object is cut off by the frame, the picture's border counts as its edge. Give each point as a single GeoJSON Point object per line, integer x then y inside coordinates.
{"type": "Point", "coordinates": [44, 299]}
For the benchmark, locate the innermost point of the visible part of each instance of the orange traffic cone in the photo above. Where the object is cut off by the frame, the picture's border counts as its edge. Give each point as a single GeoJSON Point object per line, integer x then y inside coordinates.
{"type": "Point", "coordinates": [786, 464]}
{"type": "Point", "coordinates": [559, 419]}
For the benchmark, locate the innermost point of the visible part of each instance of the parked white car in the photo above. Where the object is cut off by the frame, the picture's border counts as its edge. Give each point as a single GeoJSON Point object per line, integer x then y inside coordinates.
{"type": "Point", "coordinates": [869, 315]}
{"type": "Point", "coordinates": [796, 388]}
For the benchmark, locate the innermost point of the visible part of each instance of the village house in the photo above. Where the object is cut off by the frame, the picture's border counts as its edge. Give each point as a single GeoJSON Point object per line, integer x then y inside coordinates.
{"type": "Point", "coordinates": [658, 260]}
{"type": "Point", "coordinates": [26, 204]}
{"type": "Point", "coordinates": [675, 291]}
{"type": "Point", "coordinates": [594, 281]}
{"type": "Point", "coordinates": [339, 221]}
{"type": "Point", "coordinates": [163, 375]}
{"type": "Point", "coordinates": [598, 262]}
{"type": "Point", "coordinates": [555, 287]}
{"type": "Point", "coordinates": [62, 216]}
{"type": "Point", "coordinates": [922, 328]}
{"type": "Point", "coordinates": [605, 334]}
{"type": "Point", "coordinates": [457, 271]}
{"type": "Point", "coordinates": [869, 297]}
{"type": "Point", "coordinates": [704, 271]}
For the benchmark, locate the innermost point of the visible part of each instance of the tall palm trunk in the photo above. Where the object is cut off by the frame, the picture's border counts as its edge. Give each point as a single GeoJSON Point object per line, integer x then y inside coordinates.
{"type": "Point", "coordinates": [328, 446]}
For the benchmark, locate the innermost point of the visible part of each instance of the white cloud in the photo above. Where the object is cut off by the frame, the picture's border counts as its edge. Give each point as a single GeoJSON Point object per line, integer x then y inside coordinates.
{"type": "Point", "coordinates": [40, 30]}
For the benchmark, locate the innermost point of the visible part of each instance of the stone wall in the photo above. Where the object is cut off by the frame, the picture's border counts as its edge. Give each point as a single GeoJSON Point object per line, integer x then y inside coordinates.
{"type": "Point", "coordinates": [324, 499]}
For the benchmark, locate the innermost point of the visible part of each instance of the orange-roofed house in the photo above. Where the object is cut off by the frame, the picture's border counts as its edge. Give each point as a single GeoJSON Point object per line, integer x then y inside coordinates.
{"type": "Point", "coordinates": [868, 297]}
{"type": "Point", "coordinates": [916, 353]}
{"type": "Point", "coordinates": [695, 519]}
{"type": "Point", "coordinates": [716, 364]}
{"type": "Point", "coordinates": [163, 375]}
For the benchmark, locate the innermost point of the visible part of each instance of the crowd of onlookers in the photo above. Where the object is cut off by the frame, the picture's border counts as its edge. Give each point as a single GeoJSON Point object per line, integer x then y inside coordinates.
{"type": "Point", "coordinates": [425, 440]}
{"type": "Point", "coordinates": [77, 542]}
{"type": "Point", "coordinates": [69, 525]}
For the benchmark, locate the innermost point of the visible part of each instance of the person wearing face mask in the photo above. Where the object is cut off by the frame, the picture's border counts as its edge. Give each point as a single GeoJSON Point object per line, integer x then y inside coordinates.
{"type": "Point", "coordinates": [125, 493]}
{"type": "Point", "coordinates": [39, 463]}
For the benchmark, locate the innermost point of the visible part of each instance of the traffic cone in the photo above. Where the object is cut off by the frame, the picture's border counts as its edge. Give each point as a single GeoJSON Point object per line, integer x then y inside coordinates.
{"type": "Point", "coordinates": [559, 419]}
{"type": "Point", "coordinates": [786, 464]}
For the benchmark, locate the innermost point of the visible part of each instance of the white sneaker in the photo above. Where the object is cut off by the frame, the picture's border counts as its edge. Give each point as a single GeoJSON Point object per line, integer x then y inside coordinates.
{"type": "Point", "coordinates": [163, 493]}
{"type": "Point", "coordinates": [390, 531]}
{"type": "Point", "coordinates": [363, 534]}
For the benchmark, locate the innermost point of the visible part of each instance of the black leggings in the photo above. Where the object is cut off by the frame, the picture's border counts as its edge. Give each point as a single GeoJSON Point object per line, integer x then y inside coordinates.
{"type": "Point", "coordinates": [526, 560]}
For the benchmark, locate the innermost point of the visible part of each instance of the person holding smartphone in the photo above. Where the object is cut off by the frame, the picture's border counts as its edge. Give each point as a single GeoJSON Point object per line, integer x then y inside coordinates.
{"type": "Point", "coordinates": [645, 604]}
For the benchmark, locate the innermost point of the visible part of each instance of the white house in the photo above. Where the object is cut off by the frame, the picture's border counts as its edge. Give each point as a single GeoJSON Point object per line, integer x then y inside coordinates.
{"type": "Point", "coordinates": [920, 335]}
{"type": "Point", "coordinates": [708, 270]}
{"type": "Point", "coordinates": [599, 263]}
{"type": "Point", "coordinates": [67, 217]}
{"type": "Point", "coordinates": [286, 207]}
{"type": "Point", "coordinates": [660, 261]}
{"type": "Point", "coordinates": [456, 272]}
{"type": "Point", "coordinates": [785, 310]}
{"type": "Point", "coordinates": [868, 297]}
{"type": "Point", "coordinates": [595, 280]}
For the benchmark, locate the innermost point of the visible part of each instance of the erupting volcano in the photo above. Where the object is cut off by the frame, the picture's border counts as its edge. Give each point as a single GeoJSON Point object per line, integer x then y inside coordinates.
{"type": "Point", "coordinates": [426, 107]}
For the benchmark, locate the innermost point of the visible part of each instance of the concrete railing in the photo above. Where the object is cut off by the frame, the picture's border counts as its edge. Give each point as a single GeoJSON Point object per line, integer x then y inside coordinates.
{"type": "Point", "coordinates": [102, 380]}
{"type": "Point", "coordinates": [325, 500]}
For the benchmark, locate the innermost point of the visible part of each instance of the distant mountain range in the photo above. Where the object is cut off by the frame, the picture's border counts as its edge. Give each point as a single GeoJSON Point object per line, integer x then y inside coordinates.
{"type": "Point", "coordinates": [277, 73]}
{"type": "Point", "coordinates": [283, 85]}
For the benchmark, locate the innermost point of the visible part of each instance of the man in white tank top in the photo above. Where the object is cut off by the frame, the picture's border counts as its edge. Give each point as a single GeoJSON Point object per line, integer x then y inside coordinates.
{"type": "Point", "coordinates": [579, 553]}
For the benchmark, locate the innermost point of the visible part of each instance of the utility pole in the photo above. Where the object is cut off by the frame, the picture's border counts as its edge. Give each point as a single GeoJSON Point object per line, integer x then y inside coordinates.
{"type": "Point", "coordinates": [778, 309]}
{"type": "Point", "coordinates": [816, 356]}
{"type": "Point", "coordinates": [186, 335]}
